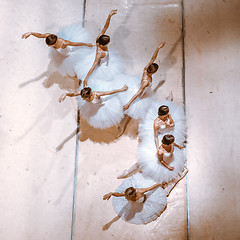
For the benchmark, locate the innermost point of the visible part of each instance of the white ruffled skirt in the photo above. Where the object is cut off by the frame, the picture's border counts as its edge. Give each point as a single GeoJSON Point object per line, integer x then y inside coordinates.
{"type": "Point", "coordinates": [106, 112]}
{"type": "Point", "coordinates": [106, 72]}
{"type": "Point", "coordinates": [146, 130]}
{"type": "Point", "coordinates": [151, 167]}
{"type": "Point", "coordinates": [141, 105]}
{"type": "Point", "coordinates": [64, 60]}
{"type": "Point", "coordinates": [142, 211]}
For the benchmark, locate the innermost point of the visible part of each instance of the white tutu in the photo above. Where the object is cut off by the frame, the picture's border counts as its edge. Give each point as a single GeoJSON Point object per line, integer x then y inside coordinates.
{"type": "Point", "coordinates": [152, 168]}
{"type": "Point", "coordinates": [146, 127]}
{"type": "Point", "coordinates": [104, 112]}
{"type": "Point", "coordinates": [140, 106]}
{"type": "Point", "coordinates": [64, 60]}
{"type": "Point", "coordinates": [142, 211]}
{"type": "Point", "coordinates": [107, 71]}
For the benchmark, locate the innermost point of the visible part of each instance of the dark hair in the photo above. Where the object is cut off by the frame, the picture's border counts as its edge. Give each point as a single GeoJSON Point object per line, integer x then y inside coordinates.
{"type": "Point", "coordinates": [103, 40]}
{"type": "Point", "coordinates": [168, 139]}
{"type": "Point", "coordinates": [51, 39]}
{"type": "Point", "coordinates": [86, 92]}
{"type": "Point", "coordinates": [163, 110]}
{"type": "Point", "coordinates": [152, 68]}
{"type": "Point", "coordinates": [130, 192]}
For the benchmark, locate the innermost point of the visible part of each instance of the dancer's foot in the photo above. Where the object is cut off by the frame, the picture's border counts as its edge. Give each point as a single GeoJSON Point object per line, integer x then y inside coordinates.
{"type": "Point", "coordinates": [170, 96]}
{"type": "Point", "coordinates": [121, 130]}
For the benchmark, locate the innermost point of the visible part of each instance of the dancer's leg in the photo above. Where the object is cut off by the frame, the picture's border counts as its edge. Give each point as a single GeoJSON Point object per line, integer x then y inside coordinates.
{"type": "Point", "coordinates": [127, 173]}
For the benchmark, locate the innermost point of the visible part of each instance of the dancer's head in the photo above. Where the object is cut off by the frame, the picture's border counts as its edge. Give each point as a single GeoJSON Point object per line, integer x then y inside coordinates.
{"type": "Point", "coordinates": [103, 40]}
{"type": "Point", "coordinates": [130, 193]}
{"type": "Point", "coordinates": [152, 68]}
{"type": "Point", "coordinates": [163, 110]}
{"type": "Point", "coordinates": [86, 92]}
{"type": "Point", "coordinates": [168, 139]}
{"type": "Point", "coordinates": [51, 39]}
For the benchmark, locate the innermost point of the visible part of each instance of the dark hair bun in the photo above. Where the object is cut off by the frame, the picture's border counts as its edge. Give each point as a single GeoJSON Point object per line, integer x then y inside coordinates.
{"type": "Point", "coordinates": [163, 110]}
{"type": "Point", "coordinates": [86, 92]}
{"type": "Point", "coordinates": [130, 192]}
{"type": "Point", "coordinates": [152, 68]}
{"type": "Point", "coordinates": [51, 39]}
{"type": "Point", "coordinates": [103, 40]}
{"type": "Point", "coordinates": [168, 139]}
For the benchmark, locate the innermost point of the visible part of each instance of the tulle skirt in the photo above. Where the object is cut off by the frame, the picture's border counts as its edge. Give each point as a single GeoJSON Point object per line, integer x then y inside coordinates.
{"type": "Point", "coordinates": [64, 60]}
{"type": "Point", "coordinates": [146, 130]}
{"type": "Point", "coordinates": [105, 71]}
{"type": "Point", "coordinates": [106, 112]}
{"type": "Point", "coordinates": [151, 167]}
{"type": "Point", "coordinates": [140, 106]}
{"type": "Point", "coordinates": [145, 210]}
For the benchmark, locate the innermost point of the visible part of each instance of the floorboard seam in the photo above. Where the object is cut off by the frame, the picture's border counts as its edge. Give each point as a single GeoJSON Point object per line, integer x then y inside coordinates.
{"type": "Point", "coordinates": [77, 150]}
{"type": "Point", "coordinates": [184, 102]}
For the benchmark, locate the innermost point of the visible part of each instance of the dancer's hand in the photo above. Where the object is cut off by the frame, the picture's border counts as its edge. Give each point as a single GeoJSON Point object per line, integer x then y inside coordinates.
{"type": "Point", "coordinates": [62, 98]}
{"type": "Point", "coordinates": [113, 12]}
{"type": "Point", "coordinates": [26, 35]}
{"type": "Point", "coordinates": [126, 107]}
{"type": "Point", "coordinates": [181, 147]}
{"type": "Point", "coordinates": [84, 83]}
{"type": "Point", "coordinates": [125, 88]}
{"type": "Point", "coordinates": [161, 45]}
{"type": "Point", "coordinates": [107, 196]}
{"type": "Point", "coordinates": [90, 45]}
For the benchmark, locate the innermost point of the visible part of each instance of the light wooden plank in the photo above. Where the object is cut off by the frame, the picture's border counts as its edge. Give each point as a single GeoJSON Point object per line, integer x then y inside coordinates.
{"type": "Point", "coordinates": [212, 100]}
{"type": "Point", "coordinates": [36, 181]}
{"type": "Point", "coordinates": [135, 32]}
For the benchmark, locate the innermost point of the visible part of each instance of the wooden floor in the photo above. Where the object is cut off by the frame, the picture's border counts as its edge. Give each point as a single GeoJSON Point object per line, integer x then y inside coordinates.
{"type": "Point", "coordinates": [200, 64]}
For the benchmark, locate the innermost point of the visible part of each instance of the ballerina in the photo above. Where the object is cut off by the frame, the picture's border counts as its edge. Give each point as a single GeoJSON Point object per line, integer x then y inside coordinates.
{"type": "Point", "coordinates": [163, 117]}
{"type": "Point", "coordinates": [140, 93]}
{"type": "Point", "coordinates": [59, 44]}
{"type": "Point", "coordinates": [138, 200]}
{"type": "Point", "coordinates": [102, 53]}
{"type": "Point", "coordinates": [146, 81]}
{"type": "Point", "coordinates": [67, 48]}
{"type": "Point", "coordinates": [163, 120]}
{"type": "Point", "coordinates": [156, 165]}
{"type": "Point", "coordinates": [101, 109]}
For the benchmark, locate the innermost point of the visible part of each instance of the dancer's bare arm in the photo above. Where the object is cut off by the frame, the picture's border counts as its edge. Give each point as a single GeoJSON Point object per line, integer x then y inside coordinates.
{"type": "Point", "coordinates": [69, 43]}
{"type": "Point", "coordinates": [154, 56]}
{"type": "Point", "coordinates": [143, 190]}
{"type": "Point", "coordinates": [38, 35]}
{"type": "Point", "coordinates": [73, 94]}
{"type": "Point", "coordinates": [115, 194]}
{"type": "Point", "coordinates": [172, 124]}
{"type": "Point", "coordinates": [124, 88]}
{"type": "Point", "coordinates": [160, 157]}
{"type": "Point", "coordinates": [178, 146]}
{"type": "Point", "coordinates": [156, 127]}
{"type": "Point", "coordinates": [107, 23]}
{"type": "Point", "coordinates": [138, 93]}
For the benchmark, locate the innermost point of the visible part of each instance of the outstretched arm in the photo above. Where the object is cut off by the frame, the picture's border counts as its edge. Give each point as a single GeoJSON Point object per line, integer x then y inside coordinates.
{"type": "Point", "coordinates": [176, 145]}
{"type": "Point", "coordinates": [138, 93]}
{"type": "Point", "coordinates": [73, 94]}
{"type": "Point", "coordinates": [155, 127]}
{"type": "Point", "coordinates": [97, 58]}
{"type": "Point", "coordinates": [115, 194]}
{"type": "Point", "coordinates": [154, 56]}
{"type": "Point", "coordinates": [69, 43]}
{"type": "Point", "coordinates": [124, 88]}
{"type": "Point", "coordinates": [38, 35]}
{"type": "Point", "coordinates": [143, 190]}
{"type": "Point", "coordinates": [106, 26]}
